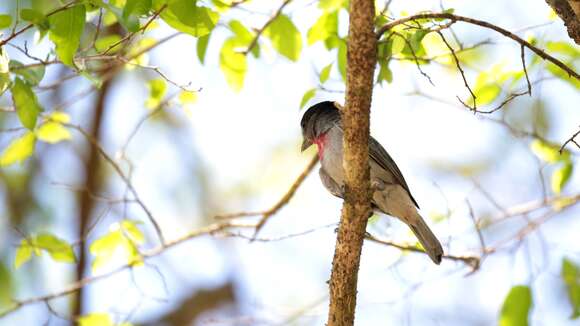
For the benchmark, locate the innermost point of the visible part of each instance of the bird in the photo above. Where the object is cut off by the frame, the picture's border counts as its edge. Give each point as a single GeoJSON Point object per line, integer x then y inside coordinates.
{"type": "Point", "coordinates": [321, 125]}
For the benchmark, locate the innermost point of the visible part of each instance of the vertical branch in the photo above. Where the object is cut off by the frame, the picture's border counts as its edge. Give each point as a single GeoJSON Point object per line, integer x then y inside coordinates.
{"type": "Point", "coordinates": [361, 61]}
{"type": "Point", "coordinates": [91, 186]}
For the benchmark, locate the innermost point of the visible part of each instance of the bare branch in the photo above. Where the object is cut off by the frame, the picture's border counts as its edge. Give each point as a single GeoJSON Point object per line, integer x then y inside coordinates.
{"type": "Point", "coordinates": [484, 24]}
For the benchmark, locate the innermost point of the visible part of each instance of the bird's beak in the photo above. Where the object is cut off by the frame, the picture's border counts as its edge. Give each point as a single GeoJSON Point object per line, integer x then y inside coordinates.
{"type": "Point", "coordinates": [305, 144]}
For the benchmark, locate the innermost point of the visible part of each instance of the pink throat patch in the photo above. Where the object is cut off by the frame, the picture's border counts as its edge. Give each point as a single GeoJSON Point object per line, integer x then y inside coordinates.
{"type": "Point", "coordinates": [320, 142]}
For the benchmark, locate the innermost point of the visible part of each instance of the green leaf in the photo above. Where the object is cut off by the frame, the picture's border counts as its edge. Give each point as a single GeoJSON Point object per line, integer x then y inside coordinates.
{"type": "Point", "coordinates": [5, 21]}
{"type": "Point", "coordinates": [157, 89]}
{"type": "Point", "coordinates": [561, 176]}
{"type": "Point", "coordinates": [546, 152]}
{"type": "Point", "coordinates": [285, 37]}
{"type": "Point", "coordinates": [342, 60]}
{"type": "Point", "coordinates": [23, 253]}
{"type": "Point", "coordinates": [6, 286]}
{"type": "Point", "coordinates": [325, 27]}
{"type": "Point", "coordinates": [19, 150]}
{"type": "Point", "coordinates": [186, 16]}
{"type": "Point", "coordinates": [398, 45]}
{"type": "Point", "coordinates": [58, 249]}
{"type": "Point", "coordinates": [65, 32]}
{"type": "Point", "coordinates": [571, 277]}
{"type": "Point", "coordinates": [233, 64]}
{"type": "Point", "coordinates": [244, 36]}
{"type": "Point", "coordinates": [137, 8]}
{"type": "Point", "coordinates": [325, 73]}
{"type": "Point", "coordinates": [241, 32]}
{"type": "Point", "coordinates": [332, 5]}
{"type": "Point", "coordinates": [53, 132]}
{"type": "Point", "coordinates": [187, 98]}
{"type": "Point", "coordinates": [516, 307]}
{"type": "Point", "coordinates": [385, 73]}
{"type": "Point", "coordinates": [562, 75]}
{"type": "Point", "coordinates": [486, 88]}
{"type": "Point", "coordinates": [26, 103]}
{"type": "Point", "coordinates": [201, 47]}
{"type": "Point", "coordinates": [33, 75]}
{"type": "Point", "coordinates": [123, 239]}
{"type": "Point", "coordinates": [307, 97]}
{"type": "Point", "coordinates": [4, 71]}
{"type": "Point", "coordinates": [564, 48]}
{"type": "Point", "coordinates": [104, 43]}
{"type": "Point", "coordinates": [32, 16]}
{"type": "Point", "coordinates": [415, 42]}
{"type": "Point", "coordinates": [96, 319]}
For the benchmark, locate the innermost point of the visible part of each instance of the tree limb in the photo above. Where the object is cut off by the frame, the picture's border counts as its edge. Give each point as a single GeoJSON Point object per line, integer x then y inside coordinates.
{"type": "Point", "coordinates": [361, 62]}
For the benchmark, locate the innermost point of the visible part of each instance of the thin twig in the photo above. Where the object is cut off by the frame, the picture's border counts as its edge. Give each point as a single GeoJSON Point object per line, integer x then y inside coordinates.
{"type": "Point", "coordinates": [261, 30]}
{"type": "Point", "coordinates": [541, 53]}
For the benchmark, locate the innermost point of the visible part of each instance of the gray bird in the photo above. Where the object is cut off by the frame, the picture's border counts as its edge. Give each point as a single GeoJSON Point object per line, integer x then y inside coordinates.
{"type": "Point", "coordinates": [321, 125]}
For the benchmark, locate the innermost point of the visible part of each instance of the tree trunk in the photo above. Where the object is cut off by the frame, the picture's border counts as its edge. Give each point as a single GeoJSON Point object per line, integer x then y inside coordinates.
{"type": "Point", "coordinates": [361, 61]}
{"type": "Point", "coordinates": [569, 12]}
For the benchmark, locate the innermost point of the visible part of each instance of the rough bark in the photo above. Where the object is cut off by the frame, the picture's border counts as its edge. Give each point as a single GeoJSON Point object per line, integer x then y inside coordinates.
{"type": "Point", "coordinates": [361, 61]}
{"type": "Point", "coordinates": [569, 12]}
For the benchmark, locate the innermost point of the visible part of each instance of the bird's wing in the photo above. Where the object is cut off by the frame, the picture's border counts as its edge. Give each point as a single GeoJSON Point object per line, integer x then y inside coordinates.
{"type": "Point", "coordinates": [384, 160]}
{"type": "Point", "coordinates": [330, 184]}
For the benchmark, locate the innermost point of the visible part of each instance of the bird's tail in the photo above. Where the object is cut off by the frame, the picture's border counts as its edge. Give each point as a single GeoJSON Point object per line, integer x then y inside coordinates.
{"type": "Point", "coordinates": [428, 240]}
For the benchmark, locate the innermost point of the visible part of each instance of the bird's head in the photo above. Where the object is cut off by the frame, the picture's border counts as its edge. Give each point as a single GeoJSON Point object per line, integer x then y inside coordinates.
{"type": "Point", "coordinates": [317, 120]}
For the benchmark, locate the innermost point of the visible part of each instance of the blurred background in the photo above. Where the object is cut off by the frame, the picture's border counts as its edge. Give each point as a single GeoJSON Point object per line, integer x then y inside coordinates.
{"type": "Point", "coordinates": [475, 176]}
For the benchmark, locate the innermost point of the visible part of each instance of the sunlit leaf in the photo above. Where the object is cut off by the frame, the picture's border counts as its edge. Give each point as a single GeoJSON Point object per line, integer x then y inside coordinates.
{"type": "Point", "coordinates": [332, 5]}
{"type": "Point", "coordinates": [325, 27]}
{"type": "Point", "coordinates": [32, 75]}
{"type": "Point", "coordinates": [285, 37]}
{"type": "Point", "coordinates": [186, 16]}
{"type": "Point", "coordinates": [547, 152]}
{"type": "Point", "coordinates": [53, 132]}
{"type": "Point", "coordinates": [564, 48]}
{"type": "Point", "coordinates": [413, 44]}
{"type": "Point", "coordinates": [308, 95]}
{"type": "Point", "coordinates": [104, 43]}
{"type": "Point", "coordinates": [341, 57]}
{"type": "Point", "coordinates": [4, 71]}
{"type": "Point", "coordinates": [137, 8]}
{"type": "Point", "coordinates": [96, 319]}
{"type": "Point", "coordinates": [32, 15]}
{"type": "Point", "coordinates": [130, 229]}
{"type": "Point", "coordinates": [58, 249]}
{"type": "Point", "coordinates": [157, 89]}
{"type": "Point", "coordinates": [244, 36]}
{"type": "Point", "coordinates": [6, 286]}
{"type": "Point", "coordinates": [26, 103]}
{"type": "Point", "coordinates": [201, 47]}
{"type": "Point", "coordinates": [516, 307]}
{"type": "Point", "coordinates": [233, 64]}
{"type": "Point", "coordinates": [23, 253]}
{"type": "Point", "coordinates": [65, 32]}
{"type": "Point", "coordinates": [571, 277]}
{"type": "Point", "coordinates": [325, 73]}
{"type": "Point", "coordinates": [122, 239]}
{"type": "Point", "coordinates": [562, 75]}
{"type": "Point", "coordinates": [5, 21]}
{"type": "Point", "coordinates": [19, 150]}
{"type": "Point", "coordinates": [187, 98]}
{"type": "Point", "coordinates": [58, 116]}
{"type": "Point", "coordinates": [385, 73]}
{"type": "Point", "coordinates": [561, 176]}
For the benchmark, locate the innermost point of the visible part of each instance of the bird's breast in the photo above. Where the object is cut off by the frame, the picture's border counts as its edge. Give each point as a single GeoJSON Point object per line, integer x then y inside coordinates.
{"type": "Point", "coordinates": [331, 155]}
